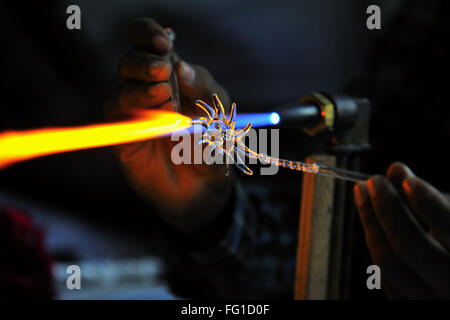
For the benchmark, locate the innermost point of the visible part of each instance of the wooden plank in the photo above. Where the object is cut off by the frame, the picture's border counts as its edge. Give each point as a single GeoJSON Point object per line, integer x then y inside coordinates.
{"type": "Point", "coordinates": [316, 218]}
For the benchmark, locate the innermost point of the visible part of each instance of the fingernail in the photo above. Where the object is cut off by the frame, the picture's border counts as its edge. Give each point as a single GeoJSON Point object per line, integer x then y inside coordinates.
{"type": "Point", "coordinates": [162, 43]}
{"type": "Point", "coordinates": [408, 185]}
{"type": "Point", "coordinates": [159, 90]}
{"type": "Point", "coordinates": [158, 63]}
{"type": "Point", "coordinates": [398, 172]}
{"type": "Point", "coordinates": [158, 67]}
{"type": "Point", "coordinates": [187, 73]}
{"type": "Point", "coordinates": [360, 191]}
{"type": "Point", "coordinates": [373, 184]}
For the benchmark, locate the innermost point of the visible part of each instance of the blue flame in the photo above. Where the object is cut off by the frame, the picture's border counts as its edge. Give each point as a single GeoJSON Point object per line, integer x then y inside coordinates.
{"type": "Point", "coordinates": [257, 119]}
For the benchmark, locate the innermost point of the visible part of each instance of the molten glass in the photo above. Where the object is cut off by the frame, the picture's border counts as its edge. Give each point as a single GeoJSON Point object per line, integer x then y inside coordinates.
{"type": "Point", "coordinates": [23, 145]}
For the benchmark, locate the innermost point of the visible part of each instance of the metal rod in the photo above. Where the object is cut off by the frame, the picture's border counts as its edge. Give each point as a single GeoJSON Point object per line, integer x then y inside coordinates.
{"type": "Point", "coordinates": [342, 173]}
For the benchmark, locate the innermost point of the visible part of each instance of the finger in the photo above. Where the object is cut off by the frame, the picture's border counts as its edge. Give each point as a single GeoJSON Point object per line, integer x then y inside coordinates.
{"type": "Point", "coordinates": [195, 82]}
{"type": "Point", "coordinates": [404, 233]}
{"type": "Point", "coordinates": [142, 96]}
{"type": "Point", "coordinates": [147, 34]}
{"type": "Point", "coordinates": [397, 172]}
{"type": "Point", "coordinates": [431, 206]}
{"type": "Point", "coordinates": [399, 280]}
{"type": "Point", "coordinates": [168, 105]}
{"type": "Point", "coordinates": [143, 66]}
{"type": "Point", "coordinates": [189, 81]}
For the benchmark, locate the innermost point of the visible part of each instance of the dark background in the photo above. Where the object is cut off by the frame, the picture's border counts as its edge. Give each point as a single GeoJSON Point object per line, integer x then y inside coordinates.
{"type": "Point", "coordinates": [265, 53]}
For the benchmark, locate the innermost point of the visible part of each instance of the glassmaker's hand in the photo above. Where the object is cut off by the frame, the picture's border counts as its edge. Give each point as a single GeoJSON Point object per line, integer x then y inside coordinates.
{"type": "Point", "coordinates": [183, 192]}
{"type": "Point", "coordinates": [414, 259]}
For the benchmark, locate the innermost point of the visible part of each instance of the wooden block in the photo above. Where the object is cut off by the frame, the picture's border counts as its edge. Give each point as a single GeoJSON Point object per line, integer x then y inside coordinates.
{"type": "Point", "coordinates": [314, 243]}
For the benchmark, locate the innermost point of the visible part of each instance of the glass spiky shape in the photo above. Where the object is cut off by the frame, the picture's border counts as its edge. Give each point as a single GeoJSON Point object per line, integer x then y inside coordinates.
{"type": "Point", "coordinates": [224, 138]}
{"type": "Point", "coordinates": [221, 133]}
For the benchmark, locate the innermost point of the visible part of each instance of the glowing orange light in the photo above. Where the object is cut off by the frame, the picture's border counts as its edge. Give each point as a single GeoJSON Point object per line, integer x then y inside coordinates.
{"type": "Point", "coordinates": [23, 145]}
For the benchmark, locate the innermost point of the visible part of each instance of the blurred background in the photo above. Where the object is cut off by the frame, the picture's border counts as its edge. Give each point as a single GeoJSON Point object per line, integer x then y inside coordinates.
{"type": "Point", "coordinates": [265, 53]}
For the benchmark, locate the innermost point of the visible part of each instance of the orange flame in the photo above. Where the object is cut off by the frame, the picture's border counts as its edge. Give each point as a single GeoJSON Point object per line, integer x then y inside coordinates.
{"type": "Point", "coordinates": [23, 145]}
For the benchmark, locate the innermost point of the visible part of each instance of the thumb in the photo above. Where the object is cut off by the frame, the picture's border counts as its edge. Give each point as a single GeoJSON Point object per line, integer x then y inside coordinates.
{"type": "Point", "coordinates": [194, 81]}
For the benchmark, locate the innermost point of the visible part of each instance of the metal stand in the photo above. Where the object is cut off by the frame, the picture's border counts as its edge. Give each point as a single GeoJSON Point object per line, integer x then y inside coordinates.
{"type": "Point", "coordinates": [327, 212]}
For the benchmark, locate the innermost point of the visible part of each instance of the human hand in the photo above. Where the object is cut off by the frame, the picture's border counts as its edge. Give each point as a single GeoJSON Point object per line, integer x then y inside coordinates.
{"type": "Point", "coordinates": [413, 256]}
{"type": "Point", "coordinates": [189, 195]}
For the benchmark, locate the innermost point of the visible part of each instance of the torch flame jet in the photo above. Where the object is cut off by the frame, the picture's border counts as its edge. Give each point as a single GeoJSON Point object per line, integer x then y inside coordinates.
{"type": "Point", "coordinates": [24, 145]}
